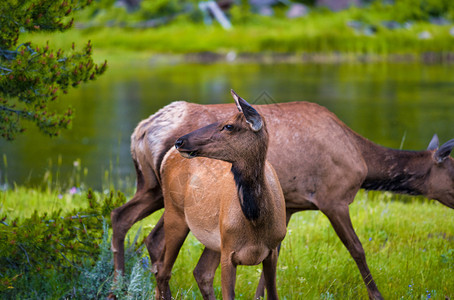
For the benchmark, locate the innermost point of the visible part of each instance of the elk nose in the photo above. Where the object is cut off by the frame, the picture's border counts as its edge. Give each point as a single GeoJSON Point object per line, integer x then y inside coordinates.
{"type": "Point", "coordinates": [179, 143]}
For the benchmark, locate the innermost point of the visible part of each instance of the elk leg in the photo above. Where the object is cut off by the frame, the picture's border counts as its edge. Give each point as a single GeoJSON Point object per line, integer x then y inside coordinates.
{"type": "Point", "coordinates": [155, 243]}
{"type": "Point", "coordinates": [342, 224]}
{"type": "Point", "coordinates": [228, 275]}
{"type": "Point", "coordinates": [176, 230]}
{"type": "Point", "coordinates": [269, 271]}
{"type": "Point", "coordinates": [141, 205]}
{"type": "Point", "coordinates": [260, 291]}
{"type": "Point", "coordinates": [204, 272]}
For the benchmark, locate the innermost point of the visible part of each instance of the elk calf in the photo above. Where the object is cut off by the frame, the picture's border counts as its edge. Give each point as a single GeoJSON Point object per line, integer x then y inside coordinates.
{"type": "Point", "coordinates": [233, 203]}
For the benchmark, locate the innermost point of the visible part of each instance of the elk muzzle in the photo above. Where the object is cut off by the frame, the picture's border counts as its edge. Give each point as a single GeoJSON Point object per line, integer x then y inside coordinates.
{"type": "Point", "coordinates": [186, 153]}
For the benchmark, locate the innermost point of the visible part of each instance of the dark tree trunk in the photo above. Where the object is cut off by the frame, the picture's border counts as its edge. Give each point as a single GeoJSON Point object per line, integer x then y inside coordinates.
{"type": "Point", "coordinates": [225, 4]}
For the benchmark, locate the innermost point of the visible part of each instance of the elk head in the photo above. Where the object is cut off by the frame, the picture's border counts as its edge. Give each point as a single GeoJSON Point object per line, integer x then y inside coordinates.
{"type": "Point", "coordinates": [440, 181]}
{"type": "Point", "coordinates": [238, 138]}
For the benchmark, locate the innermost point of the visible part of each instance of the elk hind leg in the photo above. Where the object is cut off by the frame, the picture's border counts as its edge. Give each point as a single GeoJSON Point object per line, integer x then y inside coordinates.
{"type": "Point", "coordinates": [204, 272]}
{"type": "Point", "coordinates": [155, 243]}
{"type": "Point", "coordinates": [339, 217]}
{"type": "Point", "coordinates": [140, 206]}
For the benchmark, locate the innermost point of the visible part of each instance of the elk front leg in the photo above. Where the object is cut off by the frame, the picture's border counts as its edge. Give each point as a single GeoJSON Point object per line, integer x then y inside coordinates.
{"type": "Point", "coordinates": [228, 275]}
{"type": "Point", "coordinates": [339, 217]}
{"type": "Point", "coordinates": [269, 271]}
{"type": "Point", "coordinates": [204, 272]}
{"type": "Point", "coordinates": [260, 291]}
{"type": "Point", "coordinates": [175, 230]}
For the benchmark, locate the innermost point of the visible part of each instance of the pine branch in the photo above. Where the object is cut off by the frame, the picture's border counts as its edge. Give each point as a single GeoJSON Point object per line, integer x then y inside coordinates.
{"type": "Point", "coordinates": [32, 77]}
{"type": "Point", "coordinates": [14, 111]}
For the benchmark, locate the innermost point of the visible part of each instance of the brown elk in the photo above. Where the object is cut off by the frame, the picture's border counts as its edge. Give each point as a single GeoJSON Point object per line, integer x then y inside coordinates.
{"type": "Point", "coordinates": [232, 203]}
{"type": "Point", "coordinates": [321, 164]}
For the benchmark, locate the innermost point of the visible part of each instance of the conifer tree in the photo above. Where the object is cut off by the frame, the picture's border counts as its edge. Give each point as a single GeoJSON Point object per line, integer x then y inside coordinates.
{"type": "Point", "coordinates": [33, 76]}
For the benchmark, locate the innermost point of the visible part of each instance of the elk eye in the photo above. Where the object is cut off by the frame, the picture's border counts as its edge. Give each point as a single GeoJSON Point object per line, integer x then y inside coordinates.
{"type": "Point", "coordinates": [228, 127]}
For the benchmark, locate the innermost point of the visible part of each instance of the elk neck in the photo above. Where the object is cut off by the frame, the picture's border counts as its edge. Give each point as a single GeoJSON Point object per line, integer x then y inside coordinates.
{"type": "Point", "coordinates": [249, 176]}
{"type": "Point", "coordinates": [395, 170]}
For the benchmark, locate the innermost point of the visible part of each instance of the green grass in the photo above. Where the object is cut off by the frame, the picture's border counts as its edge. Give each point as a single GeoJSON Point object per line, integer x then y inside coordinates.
{"type": "Point", "coordinates": [409, 246]}
{"type": "Point", "coordinates": [21, 202]}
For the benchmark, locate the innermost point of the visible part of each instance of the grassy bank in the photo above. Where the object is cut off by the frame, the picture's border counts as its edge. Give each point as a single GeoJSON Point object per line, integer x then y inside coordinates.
{"type": "Point", "coordinates": [409, 246]}
{"type": "Point", "coordinates": [321, 32]}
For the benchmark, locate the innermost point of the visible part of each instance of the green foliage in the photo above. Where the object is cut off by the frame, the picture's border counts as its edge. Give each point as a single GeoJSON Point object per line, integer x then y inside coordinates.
{"type": "Point", "coordinates": [140, 283]}
{"type": "Point", "coordinates": [159, 12]}
{"type": "Point", "coordinates": [319, 34]}
{"type": "Point", "coordinates": [137, 283]}
{"type": "Point", "coordinates": [31, 76]}
{"type": "Point", "coordinates": [448, 257]}
{"type": "Point", "coordinates": [96, 281]}
{"type": "Point", "coordinates": [422, 10]}
{"type": "Point", "coordinates": [47, 244]}
{"type": "Point", "coordinates": [92, 279]}
{"type": "Point", "coordinates": [160, 7]}
{"type": "Point", "coordinates": [101, 4]}
{"type": "Point", "coordinates": [241, 14]}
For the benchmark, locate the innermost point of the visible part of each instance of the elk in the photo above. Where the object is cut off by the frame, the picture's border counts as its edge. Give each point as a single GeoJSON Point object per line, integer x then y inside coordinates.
{"type": "Point", "coordinates": [321, 164]}
{"type": "Point", "coordinates": [232, 203]}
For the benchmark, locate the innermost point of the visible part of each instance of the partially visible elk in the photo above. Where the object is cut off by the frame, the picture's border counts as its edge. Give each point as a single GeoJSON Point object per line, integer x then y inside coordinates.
{"type": "Point", "coordinates": [321, 164]}
{"type": "Point", "coordinates": [232, 203]}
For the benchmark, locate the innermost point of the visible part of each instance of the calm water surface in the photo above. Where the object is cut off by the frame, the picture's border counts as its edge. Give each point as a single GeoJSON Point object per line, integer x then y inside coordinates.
{"type": "Point", "coordinates": [397, 105]}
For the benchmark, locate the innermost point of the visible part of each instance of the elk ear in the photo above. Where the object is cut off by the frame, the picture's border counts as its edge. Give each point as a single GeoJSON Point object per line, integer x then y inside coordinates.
{"type": "Point", "coordinates": [252, 116]}
{"type": "Point", "coordinates": [433, 145]}
{"type": "Point", "coordinates": [237, 99]}
{"type": "Point", "coordinates": [444, 151]}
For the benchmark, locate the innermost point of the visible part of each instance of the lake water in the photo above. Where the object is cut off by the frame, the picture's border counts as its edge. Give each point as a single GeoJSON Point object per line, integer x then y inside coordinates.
{"type": "Point", "coordinates": [395, 105]}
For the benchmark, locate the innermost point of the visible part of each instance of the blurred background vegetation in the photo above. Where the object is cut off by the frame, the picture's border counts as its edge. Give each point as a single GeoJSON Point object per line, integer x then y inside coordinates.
{"type": "Point", "coordinates": [379, 27]}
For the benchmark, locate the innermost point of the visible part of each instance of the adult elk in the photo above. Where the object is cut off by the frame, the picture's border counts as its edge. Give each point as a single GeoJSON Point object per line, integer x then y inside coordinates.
{"type": "Point", "coordinates": [321, 164]}
{"type": "Point", "coordinates": [233, 204]}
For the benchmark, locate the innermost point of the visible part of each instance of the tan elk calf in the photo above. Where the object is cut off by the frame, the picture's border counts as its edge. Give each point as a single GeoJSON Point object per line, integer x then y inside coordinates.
{"type": "Point", "coordinates": [229, 197]}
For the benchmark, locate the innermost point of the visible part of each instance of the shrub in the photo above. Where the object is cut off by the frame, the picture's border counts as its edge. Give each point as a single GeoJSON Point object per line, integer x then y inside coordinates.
{"type": "Point", "coordinates": [41, 254]}
{"type": "Point", "coordinates": [96, 281]}
{"type": "Point", "coordinates": [422, 10]}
